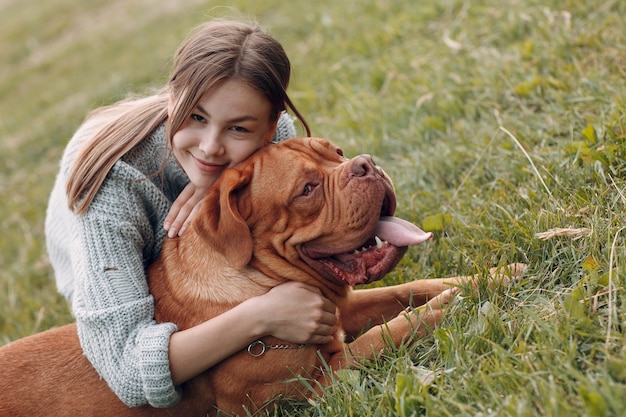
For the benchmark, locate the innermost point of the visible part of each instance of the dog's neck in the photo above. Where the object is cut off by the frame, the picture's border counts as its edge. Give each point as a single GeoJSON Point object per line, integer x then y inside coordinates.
{"type": "Point", "coordinates": [282, 271]}
{"type": "Point", "coordinates": [200, 275]}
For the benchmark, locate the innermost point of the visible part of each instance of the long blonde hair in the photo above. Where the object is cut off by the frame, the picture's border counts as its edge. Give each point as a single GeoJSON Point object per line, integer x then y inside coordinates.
{"type": "Point", "coordinates": [217, 51]}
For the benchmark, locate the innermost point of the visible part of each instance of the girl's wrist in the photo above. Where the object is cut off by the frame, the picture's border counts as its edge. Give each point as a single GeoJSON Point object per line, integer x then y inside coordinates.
{"type": "Point", "coordinates": [253, 311]}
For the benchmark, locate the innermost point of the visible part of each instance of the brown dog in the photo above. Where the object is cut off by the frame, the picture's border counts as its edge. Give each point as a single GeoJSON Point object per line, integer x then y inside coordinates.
{"type": "Point", "coordinates": [297, 210]}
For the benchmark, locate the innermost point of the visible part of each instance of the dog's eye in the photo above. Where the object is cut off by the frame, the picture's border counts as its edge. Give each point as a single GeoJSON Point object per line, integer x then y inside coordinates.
{"type": "Point", "coordinates": [308, 189]}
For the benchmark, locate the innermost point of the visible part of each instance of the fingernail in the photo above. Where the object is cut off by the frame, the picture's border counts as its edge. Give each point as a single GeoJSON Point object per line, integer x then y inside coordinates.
{"type": "Point", "coordinates": [182, 229]}
{"type": "Point", "coordinates": [167, 225]}
{"type": "Point", "coordinates": [172, 232]}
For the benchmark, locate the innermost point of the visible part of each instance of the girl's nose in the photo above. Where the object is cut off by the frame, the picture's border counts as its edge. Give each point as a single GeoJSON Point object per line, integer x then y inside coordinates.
{"type": "Point", "coordinates": [211, 144]}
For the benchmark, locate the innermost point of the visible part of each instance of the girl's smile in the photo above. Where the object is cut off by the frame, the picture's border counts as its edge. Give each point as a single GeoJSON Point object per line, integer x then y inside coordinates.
{"type": "Point", "coordinates": [208, 167]}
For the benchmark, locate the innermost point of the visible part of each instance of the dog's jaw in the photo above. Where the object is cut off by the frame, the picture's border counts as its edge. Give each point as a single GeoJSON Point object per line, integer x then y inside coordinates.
{"type": "Point", "coordinates": [361, 266]}
{"type": "Point", "coordinates": [370, 261]}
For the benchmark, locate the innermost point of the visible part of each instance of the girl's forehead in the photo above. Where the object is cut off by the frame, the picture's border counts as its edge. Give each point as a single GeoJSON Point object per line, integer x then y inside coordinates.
{"type": "Point", "coordinates": [235, 97]}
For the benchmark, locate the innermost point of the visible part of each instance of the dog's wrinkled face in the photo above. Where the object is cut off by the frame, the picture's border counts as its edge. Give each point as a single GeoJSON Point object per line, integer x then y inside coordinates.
{"type": "Point", "coordinates": [332, 213]}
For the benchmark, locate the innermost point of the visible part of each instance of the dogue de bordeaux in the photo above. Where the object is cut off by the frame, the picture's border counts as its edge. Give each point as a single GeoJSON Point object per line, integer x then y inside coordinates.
{"type": "Point", "coordinates": [298, 210]}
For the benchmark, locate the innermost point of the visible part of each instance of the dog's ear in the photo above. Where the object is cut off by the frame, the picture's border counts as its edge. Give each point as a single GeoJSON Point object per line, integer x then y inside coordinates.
{"type": "Point", "coordinates": [221, 224]}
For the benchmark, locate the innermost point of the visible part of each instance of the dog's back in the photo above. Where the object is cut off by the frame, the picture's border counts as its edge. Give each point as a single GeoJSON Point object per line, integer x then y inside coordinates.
{"type": "Point", "coordinates": [47, 372]}
{"type": "Point", "coordinates": [47, 375]}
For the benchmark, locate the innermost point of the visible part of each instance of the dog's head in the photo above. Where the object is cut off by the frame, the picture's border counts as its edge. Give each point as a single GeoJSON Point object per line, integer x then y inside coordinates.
{"type": "Point", "coordinates": [300, 209]}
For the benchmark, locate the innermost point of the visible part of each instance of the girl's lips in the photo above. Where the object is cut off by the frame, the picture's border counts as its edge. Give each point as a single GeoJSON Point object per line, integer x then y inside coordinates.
{"type": "Point", "coordinates": [207, 167]}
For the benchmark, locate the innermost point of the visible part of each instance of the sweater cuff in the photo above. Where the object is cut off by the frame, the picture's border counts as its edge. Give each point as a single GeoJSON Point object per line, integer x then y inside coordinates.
{"type": "Point", "coordinates": [155, 370]}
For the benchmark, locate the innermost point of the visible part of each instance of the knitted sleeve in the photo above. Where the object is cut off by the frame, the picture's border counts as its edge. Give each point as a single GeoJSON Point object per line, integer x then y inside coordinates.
{"type": "Point", "coordinates": [285, 128]}
{"type": "Point", "coordinates": [113, 307]}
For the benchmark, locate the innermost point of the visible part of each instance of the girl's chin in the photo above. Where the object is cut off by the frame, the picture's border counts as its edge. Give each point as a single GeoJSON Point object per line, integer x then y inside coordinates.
{"type": "Point", "coordinates": [204, 180]}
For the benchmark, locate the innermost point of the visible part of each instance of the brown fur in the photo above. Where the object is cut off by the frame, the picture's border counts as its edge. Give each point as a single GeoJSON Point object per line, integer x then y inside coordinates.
{"type": "Point", "coordinates": [248, 238]}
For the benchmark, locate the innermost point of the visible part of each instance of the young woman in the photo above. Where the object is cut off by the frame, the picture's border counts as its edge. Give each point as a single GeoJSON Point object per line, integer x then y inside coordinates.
{"type": "Point", "coordinates": [136, 170]}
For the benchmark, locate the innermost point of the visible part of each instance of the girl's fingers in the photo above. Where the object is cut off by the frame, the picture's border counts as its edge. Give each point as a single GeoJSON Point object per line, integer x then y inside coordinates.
{"type": "Point", "coordinates": [183, 209]}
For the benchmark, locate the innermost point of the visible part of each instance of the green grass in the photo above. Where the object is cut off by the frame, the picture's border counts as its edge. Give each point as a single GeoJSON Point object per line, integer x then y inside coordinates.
{"type": "Point", "coordinates": [497, 121]}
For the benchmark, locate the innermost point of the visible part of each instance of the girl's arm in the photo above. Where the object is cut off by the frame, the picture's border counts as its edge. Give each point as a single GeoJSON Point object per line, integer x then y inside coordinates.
{"type": "Point", "coordinates": [112, 304]}
{"type": "Point", "coordinates": [292, 311]}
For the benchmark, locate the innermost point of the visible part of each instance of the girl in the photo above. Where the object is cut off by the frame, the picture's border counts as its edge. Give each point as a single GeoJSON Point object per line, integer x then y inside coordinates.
{"type": "Point", "coordinates": [136, 170]}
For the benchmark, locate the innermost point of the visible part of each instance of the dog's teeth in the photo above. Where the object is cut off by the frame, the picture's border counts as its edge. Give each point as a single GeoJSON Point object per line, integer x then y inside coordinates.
{"type": "Point", "coordinates": [379, 243]}
{"type": "Point", "coordinates": [356, 252]}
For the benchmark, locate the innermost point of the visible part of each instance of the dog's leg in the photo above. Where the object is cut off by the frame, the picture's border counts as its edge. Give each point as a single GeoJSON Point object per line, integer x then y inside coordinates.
{"type": "Point", "coordinates": [371, 307]}
{"type": "Point", "coordinates": [408, 324]}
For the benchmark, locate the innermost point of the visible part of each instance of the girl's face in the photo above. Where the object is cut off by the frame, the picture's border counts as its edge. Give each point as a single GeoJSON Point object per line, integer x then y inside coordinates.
{"type": "Point", "coordinates": [226, 127]}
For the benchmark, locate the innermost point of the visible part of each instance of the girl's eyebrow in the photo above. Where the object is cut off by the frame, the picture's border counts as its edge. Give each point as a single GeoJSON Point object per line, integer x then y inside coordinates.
{"type": "Point", "coordinates": [239, 119]}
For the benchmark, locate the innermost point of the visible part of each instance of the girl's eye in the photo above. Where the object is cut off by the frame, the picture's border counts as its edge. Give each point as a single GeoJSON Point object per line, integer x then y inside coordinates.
{"type": "Point", "coordinates": [239, 129]}
{"type": "Point", "coordinates": [197, 118]}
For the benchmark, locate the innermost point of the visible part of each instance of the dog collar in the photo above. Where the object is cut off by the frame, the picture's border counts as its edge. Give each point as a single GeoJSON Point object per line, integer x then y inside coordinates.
{"type": "Point", "coordinates": [258, 348]}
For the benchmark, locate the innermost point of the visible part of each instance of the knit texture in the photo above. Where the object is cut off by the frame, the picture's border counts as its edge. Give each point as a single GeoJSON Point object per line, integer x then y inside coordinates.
{"type": "Point", "coordinates": [285, 128]}
{"type": "Point", "coordinates": [100, 259]}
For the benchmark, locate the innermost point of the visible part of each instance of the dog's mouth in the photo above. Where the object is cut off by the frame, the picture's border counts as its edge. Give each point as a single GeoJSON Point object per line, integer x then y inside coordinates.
{"type": "Point", "coordinates": [372, 259]}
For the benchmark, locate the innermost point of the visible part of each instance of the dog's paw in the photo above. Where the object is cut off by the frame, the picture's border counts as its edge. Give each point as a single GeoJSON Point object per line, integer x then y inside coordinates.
{"type": "Point", "coordinates": [506, 275]}
{"type": "Point", "coordinates": [441, 302]}
{"type": "Point", "coordinates": [431, 313]}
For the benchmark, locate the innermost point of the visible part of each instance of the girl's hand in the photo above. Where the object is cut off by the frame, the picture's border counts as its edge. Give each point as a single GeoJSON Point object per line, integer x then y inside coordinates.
{"type": "Point", "coordinates": [298, 313]}
{"type": "Point", "coordinates": [183, 210]}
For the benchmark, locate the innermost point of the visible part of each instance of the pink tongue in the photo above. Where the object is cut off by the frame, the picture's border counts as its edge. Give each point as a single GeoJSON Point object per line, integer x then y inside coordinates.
{"type": "Point", "coordinates": [399, 232]}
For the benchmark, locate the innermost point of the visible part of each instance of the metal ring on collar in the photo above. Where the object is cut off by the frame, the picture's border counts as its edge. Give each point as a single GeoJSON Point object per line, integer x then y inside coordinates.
{"type": "Point", "coordinates": [252, 347]}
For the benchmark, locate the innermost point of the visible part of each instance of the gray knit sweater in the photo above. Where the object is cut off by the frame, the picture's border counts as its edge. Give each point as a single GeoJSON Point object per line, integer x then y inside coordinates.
{"type": "Point", "coordinates": [99, 260]}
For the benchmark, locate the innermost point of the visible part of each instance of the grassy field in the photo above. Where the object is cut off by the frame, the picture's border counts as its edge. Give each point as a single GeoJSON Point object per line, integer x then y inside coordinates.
{"type": "Point", "coordinates": [502, 124]}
